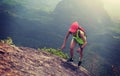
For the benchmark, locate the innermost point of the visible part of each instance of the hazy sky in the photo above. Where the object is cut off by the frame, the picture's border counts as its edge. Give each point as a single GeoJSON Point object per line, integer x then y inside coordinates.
{"type": "Point", "coordinates": [113, 8]}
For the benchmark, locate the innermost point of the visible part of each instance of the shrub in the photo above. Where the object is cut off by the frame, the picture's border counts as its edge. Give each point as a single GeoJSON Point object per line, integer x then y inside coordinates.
{"type": "Point", "coordinates": [7, 41]}
{"type": "Point", "coordinates": [57, 52]}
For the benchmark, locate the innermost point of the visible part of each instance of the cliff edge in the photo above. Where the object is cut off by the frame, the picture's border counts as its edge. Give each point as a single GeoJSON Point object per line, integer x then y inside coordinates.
{"type": "Point", "coordinates": [24, 61]}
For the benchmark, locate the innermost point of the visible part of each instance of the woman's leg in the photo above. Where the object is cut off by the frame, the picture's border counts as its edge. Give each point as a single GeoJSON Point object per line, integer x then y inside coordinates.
{"type": "Point", "coordinates": [72, 45]}
{"type": "Point", "coordinates": [80, 51]}
{"type": "Point", "coordinates": [81, 54]}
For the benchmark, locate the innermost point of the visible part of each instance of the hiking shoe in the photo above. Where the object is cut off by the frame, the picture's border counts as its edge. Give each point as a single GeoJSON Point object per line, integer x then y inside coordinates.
{"type": "Point", "coordinates": [79, 63]}
{"type": "Point", "coordinates": [70, 60]}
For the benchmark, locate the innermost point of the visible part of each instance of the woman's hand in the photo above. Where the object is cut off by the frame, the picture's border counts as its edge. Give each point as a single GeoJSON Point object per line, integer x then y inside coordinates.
{"type": "Point", "coordinates": [62, 47]}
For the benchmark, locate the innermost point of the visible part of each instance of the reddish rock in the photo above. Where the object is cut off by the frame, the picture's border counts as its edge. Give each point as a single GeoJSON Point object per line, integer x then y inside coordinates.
{"type": "Point", "coordinates": [23, 61]}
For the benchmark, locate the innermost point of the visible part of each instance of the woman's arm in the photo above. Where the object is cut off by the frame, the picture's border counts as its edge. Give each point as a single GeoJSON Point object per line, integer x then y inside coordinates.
{"type": "Point", "coordinates": [65, 40]}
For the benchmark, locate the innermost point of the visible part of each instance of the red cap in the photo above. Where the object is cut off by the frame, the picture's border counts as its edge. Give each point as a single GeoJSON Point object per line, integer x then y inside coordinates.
{"type": "Point", "coordinates": [74, 26]}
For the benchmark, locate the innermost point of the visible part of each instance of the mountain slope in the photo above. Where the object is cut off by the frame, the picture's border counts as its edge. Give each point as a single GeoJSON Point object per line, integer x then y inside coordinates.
{"type": "Point", "coordinates": [90, 14]}
{"type": "Point", "coordinates": [23, 61]}
{"type": "Point", "coordinates": [43, 5]}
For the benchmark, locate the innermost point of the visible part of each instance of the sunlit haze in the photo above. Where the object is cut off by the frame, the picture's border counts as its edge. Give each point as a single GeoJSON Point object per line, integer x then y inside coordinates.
{"type": "Point", "coordinates": [113, 8]}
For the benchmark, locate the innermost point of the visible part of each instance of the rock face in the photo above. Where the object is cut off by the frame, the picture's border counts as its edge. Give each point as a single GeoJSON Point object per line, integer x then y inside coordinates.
{"type": "Point", "coordinates": [23, 61]}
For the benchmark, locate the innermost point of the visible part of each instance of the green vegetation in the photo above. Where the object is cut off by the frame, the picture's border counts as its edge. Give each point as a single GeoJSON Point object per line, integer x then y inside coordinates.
{"type": "Point", "coordinates": [57, 52]}
{"type": "Point", "coordinates": [7, 41]}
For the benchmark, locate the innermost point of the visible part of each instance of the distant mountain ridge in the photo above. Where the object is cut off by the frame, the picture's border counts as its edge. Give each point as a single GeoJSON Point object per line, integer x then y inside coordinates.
{"type": "Point", "coordinates": [43, 5]}
{"type": "Point", "coordinates": [89, 14]}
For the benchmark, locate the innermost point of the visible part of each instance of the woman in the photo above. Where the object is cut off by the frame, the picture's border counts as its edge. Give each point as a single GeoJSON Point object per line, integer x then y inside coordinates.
{"type": "Point", "coordinates": [78, 38]}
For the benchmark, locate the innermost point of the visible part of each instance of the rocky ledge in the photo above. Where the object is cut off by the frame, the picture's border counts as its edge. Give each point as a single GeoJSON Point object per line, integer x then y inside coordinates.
{"type": "Point", "coordinates": [24, 61]}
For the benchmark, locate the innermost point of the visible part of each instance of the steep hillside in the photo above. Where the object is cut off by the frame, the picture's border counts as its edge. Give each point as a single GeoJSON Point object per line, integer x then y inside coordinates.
{"type": "Point", "coordinates": [23, 61]}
